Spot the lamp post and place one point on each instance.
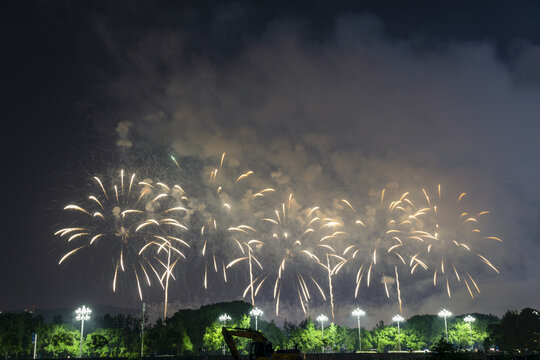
(83, 314)
(398, 319)
(322, 318)
(469, 320)
(224, 318)
(34, 340)
(142, 329)
(256, 312)
(445, 313)
(359, 313)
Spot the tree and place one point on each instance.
(16, 333)
(411, 340)
(122, 333)
(187, 346)
(333, 338)
(197, 321)
(305, 336)
(213, 337)
(427, 328)
(444, 350)
(368, 341)
(272, 332)
(97, 344)
(459, 335)
(386, 338)
(168, 339)
(288, 329)
(308, 338)
(10, 343)
(529, 323)
(517, 331)
(349, 338)
(64, 341)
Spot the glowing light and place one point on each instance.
(257, 313)
(445, 314)
(359, 313)
(83, 314)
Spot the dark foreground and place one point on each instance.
(358, 356)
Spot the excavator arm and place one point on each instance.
(228, 334)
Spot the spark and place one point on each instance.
(297, 234)
(69, 254)
(450, 221)
(381, 236)
(125, 226)
(224, 191)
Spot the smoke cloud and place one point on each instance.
(345, 117)
(123, 132)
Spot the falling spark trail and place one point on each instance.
(168, 270)
(398, 289)
(331, 290)
(131, 228)
(451, 221)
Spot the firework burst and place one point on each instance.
(294, 252)
(134, 223)
(453, 238)
(382, 240)
(219, 206)
(167, 212)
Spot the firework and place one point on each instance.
(300, 257)
(134, 222)
(382, 240)
(218, 208)
(452, 239)
(250, 248)
(166, 212)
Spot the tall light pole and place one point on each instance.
(398, 319)
(469, 320)
(34, 340)
(359, 313)
(224, 318)
(142, 329)
(322, 318)
(256, 312)
(83, 314)
(445, 313)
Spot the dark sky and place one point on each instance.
(326, 101)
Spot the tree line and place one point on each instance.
(199, 332)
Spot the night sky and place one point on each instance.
(328, 102)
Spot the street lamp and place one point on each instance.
(256, 312)
(398, 319)
(445, 313)
(359, 313)
(469, 320)
(322, 318)
(83, 314)
(224, 318)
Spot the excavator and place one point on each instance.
(260, 348)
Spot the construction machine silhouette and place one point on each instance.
(260, 348)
